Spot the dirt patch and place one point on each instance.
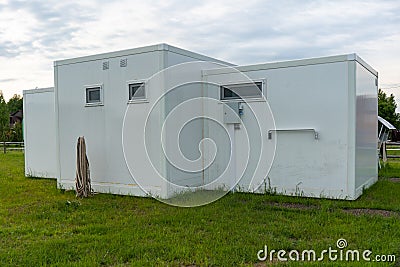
(359, 212)
(394, 180)
(299, 206)
(268, 263)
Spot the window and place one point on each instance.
(94, 95)
(241, 90)
(137, 91)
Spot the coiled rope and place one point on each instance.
(83, 185)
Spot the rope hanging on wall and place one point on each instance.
(82, 180)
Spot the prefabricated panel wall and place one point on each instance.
(102, 124)
(325, 113)
(40, 133)
(366, 109)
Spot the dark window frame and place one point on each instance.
(137, 85)
(228, 94)
(88, 96)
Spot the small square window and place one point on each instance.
(93, 95)
(137, 91)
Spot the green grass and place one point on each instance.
(390, 169)
(41, 225)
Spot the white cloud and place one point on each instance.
(35, 33)
(16, 26)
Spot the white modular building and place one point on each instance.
(304, 127)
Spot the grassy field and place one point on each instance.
(42, 225)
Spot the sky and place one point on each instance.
(35, 33)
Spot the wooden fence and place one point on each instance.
(11, 146)
(391, 147)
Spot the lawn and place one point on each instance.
(42, 225)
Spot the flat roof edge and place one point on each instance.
(120, 53)
(38, 90)
(365, 65)
(138, 50)
(195, 55)
(293, 63)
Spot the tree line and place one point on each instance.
(10, 132)
(387, 108)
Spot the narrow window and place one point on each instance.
(137, 91)
(241, 91)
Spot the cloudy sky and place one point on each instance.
(35, 33)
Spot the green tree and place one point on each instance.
(4, 120)
(15, 103)
(387, 108)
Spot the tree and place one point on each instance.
(4, 120)
(387, 108)
(19, 133)
(15, 103)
